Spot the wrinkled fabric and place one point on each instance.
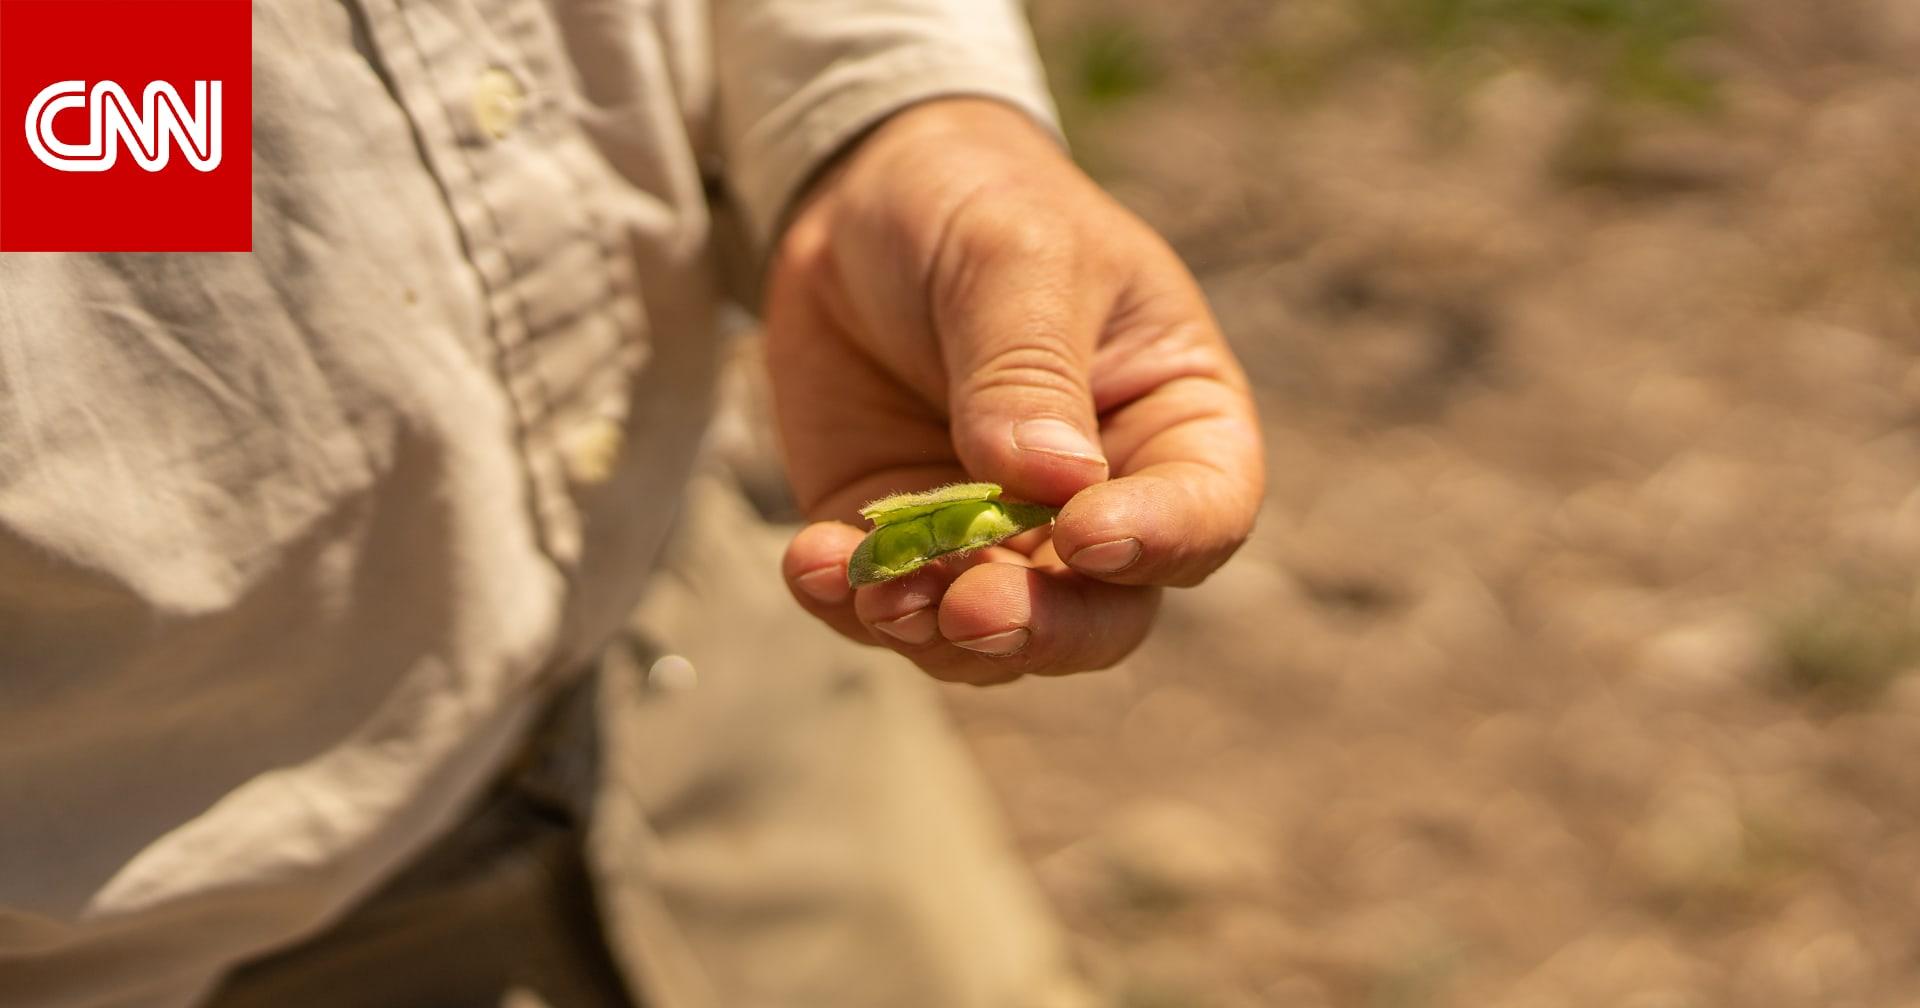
(293, 542)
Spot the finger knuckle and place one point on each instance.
(1014, 228)
(1032, 363)
(986, 236)
(1199, 560)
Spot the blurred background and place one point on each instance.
(1574, 660)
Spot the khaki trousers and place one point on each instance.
(788, 824)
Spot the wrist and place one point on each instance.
(941, 136)
(958, 119)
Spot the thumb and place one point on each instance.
(1018, 326)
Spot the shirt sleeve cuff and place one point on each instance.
(779, 154)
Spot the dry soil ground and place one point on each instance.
(1568, 664)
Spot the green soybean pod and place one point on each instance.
(912, 530)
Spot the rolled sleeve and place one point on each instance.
(798, 79)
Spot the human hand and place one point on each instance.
(955, 300)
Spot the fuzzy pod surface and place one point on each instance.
(911, 530)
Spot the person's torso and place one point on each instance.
(291, 541)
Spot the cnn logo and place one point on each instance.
(126, 126)
(148, 131)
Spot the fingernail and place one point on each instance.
(1107, 557)
(826, 586)
(998, 645)
(1056, 437)
(916, 627)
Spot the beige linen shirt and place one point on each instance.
(292, 542)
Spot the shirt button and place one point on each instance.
(593, 449)
(672, 674)
(497, 101)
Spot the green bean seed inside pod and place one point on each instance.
(896, 546)
(958, 525)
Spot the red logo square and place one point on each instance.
(126, 125)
